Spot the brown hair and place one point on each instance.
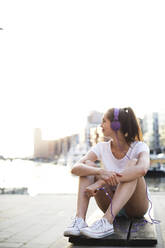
(129, 125)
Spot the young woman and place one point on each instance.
(125, 159)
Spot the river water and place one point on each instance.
(48, 178)
(156, 182)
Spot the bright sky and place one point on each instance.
(61, 59)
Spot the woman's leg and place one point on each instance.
(83, 199)
(130, 195)
(137, 205)
(103, 201)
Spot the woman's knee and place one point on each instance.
(87, 180)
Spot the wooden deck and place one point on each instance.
(128, 232)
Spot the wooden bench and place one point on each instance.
(128, 232)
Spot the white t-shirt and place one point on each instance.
(105, 155)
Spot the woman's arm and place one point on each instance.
(136, 168)
(86, 166)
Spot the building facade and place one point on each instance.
(153, 127)
(53, 149)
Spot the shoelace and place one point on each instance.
(74, 222)
(99, 224)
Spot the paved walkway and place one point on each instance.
(39, 221)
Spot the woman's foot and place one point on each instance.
(74, 228)
(100, 229)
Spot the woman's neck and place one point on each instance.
(119, 143)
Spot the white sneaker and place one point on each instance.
(100, 229)
(74, 228)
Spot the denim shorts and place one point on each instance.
(122, 213)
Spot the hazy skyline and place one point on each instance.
(61, 59)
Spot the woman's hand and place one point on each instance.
(110, 177)
(92, 189)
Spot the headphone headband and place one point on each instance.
(115, 124)
(116, 114)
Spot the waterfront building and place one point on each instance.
(93, 130)
(76, 145)
(162, 129)
(153, 127)
(53, 149)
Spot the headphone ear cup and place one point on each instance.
(115, 125)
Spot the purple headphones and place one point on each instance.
(115, 124)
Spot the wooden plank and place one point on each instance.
(128, 232)
(118, 238)
(142, 234)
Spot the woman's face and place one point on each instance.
(106, 126)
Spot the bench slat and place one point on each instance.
(142, 234)
(128, 232)
(118, 238)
